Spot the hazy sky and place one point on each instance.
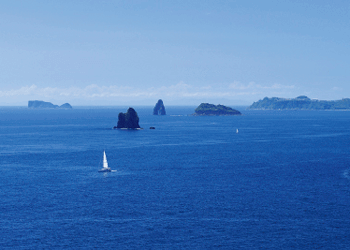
(111, 52)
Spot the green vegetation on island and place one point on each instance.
(300, 102)
(159, 109)
(129, 120)
(211, 109)
(46, 105)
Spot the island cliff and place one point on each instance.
(300, 102)
(129, 120)
(46, 105)
(159, 109)
(211, 109)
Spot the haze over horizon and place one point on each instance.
(136, 52)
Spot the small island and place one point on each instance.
(299, 103)
(159, 109)
(215, 110)
(66, 106)
(47, 105)
(128, 120)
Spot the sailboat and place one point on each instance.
(105, 164)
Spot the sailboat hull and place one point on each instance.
(105, 170)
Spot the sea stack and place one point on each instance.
(159, 109)
(128, 120)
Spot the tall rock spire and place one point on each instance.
(159, 109)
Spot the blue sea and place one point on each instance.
(281, 182)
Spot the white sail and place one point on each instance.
(105, 163)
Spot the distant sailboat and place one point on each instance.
(105, 164)
(236, 131)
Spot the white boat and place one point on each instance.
(236, 131)
(105, 164)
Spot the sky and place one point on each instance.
(116, 52)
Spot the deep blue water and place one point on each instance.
(282, 182)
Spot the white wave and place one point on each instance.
(346, 174)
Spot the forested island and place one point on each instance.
(211, 109)
(46, 105)
(128, 120)
(300, 102)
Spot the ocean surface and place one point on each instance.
(281, 182)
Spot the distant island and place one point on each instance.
(211, 109)
(300, 102)
(47, 105)
(128, 120)
(159, 109)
